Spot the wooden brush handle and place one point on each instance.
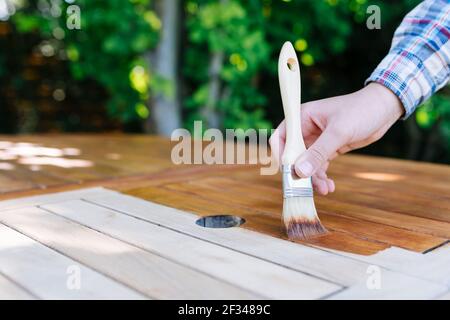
(289, 78)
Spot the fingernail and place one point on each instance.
(304, 168)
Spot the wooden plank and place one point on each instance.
(445, 296)
(374, 231)
(46, 273)
(402, 166)
(331, 266)
(258, 220)
(334, 204)
(120, 155)
(433, 266)
(398, 220)
(395, 189)
(350, 240)
(10, 290)
(343, 171)
(8, 184)
(38, 178)
(385, 189)
(54, 197)
(147, 273)
(433, 175)
(405, 288)
(261, 277)
(378, 232)
(263, 221)
(424, 208)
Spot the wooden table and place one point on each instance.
(387, 215)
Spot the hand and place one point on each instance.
(338, 125)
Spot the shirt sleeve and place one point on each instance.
(417, 64)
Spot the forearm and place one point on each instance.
(418, 62)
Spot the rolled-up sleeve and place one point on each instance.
(418, 63)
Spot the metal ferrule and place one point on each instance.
(293, 186)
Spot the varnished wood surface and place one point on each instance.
(378, 202)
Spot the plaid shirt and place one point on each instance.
(418, 63)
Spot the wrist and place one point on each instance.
(386, 100)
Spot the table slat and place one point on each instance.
(261, 277)
(47, 274)
(147, 273)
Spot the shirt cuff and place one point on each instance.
(405, 75)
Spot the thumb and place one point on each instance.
(319, 153)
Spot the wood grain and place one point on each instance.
(45, 273)
(374, 231)
(267, 205)
(433, 266)
(221, 263)
(149, 274)
(405, 288)
(376, 198)
(10, 290)
(319, 263)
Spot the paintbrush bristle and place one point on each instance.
(300, 218)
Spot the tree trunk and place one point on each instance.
(166, 111)
(210, 112)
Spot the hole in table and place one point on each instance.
(220, 221)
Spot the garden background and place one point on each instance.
(152, 66)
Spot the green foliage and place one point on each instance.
(230, 29)
(434, 114)
(108, 48)
(112, 50)
(250, 34)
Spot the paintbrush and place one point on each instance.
(299, 212)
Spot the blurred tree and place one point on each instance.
(228, 49)
(166, 108)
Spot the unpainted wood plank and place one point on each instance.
(10, 290)
(48, 274)
(54, 197)
(432, 266)
(442, 248)
(266, 279)
(327, 265)
(147, 273)
(445, 296)
(400, 286)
